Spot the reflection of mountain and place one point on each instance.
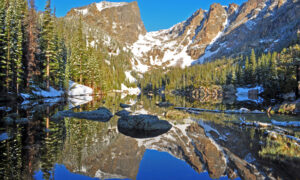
(105, 153)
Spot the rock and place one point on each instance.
(123, 113)
(164, 104)
(143, 123)
(124, 105)
(102, 114)
(122, 22)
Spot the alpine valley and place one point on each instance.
(93, 95)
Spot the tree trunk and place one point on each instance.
(298, 81)
(48, 73)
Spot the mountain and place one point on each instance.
(119, 20)
(264, 25)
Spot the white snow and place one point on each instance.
(140, 67)
(82, 11)
(242, 94)
(130, 78)
(78, 89)
(208, 53)
(173, 50)
(104, 5)
(47, 94)
(130, 91)
(286, 123)
(79, 100)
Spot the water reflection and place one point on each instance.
(142, 134)
(204, 146)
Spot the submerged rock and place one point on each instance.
(164, 104)
(143, 123)
(101, 114)
(123, 113)
(124, 105)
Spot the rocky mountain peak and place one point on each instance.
(121, 20)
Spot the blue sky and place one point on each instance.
(156, 14)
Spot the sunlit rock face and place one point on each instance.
(120, 20)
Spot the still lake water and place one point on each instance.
(203, 146)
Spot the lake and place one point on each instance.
(205, 145)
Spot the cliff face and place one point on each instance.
(119, 20)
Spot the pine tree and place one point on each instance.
(31, 45)
(253, 66)
(47, 44)
(2, 46)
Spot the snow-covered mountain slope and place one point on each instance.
(263, 25)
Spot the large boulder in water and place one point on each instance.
(143, 123)
(102, 114)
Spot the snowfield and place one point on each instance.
(104, 5)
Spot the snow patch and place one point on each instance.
(78, 89)
(131, 91)
(130, 78)
(47, 94)
(82, 11)
(104, 5)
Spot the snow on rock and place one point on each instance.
(47, 94)
(174, 52)
(104, 5)
(242, 94)
(78, 89)
(286, 123)
(82, 11)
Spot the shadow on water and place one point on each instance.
(204, 146)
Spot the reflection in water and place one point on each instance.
(161, 165)
(140, 133)
(199, 147)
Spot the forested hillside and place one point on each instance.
(276, 72)
(37, 49)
